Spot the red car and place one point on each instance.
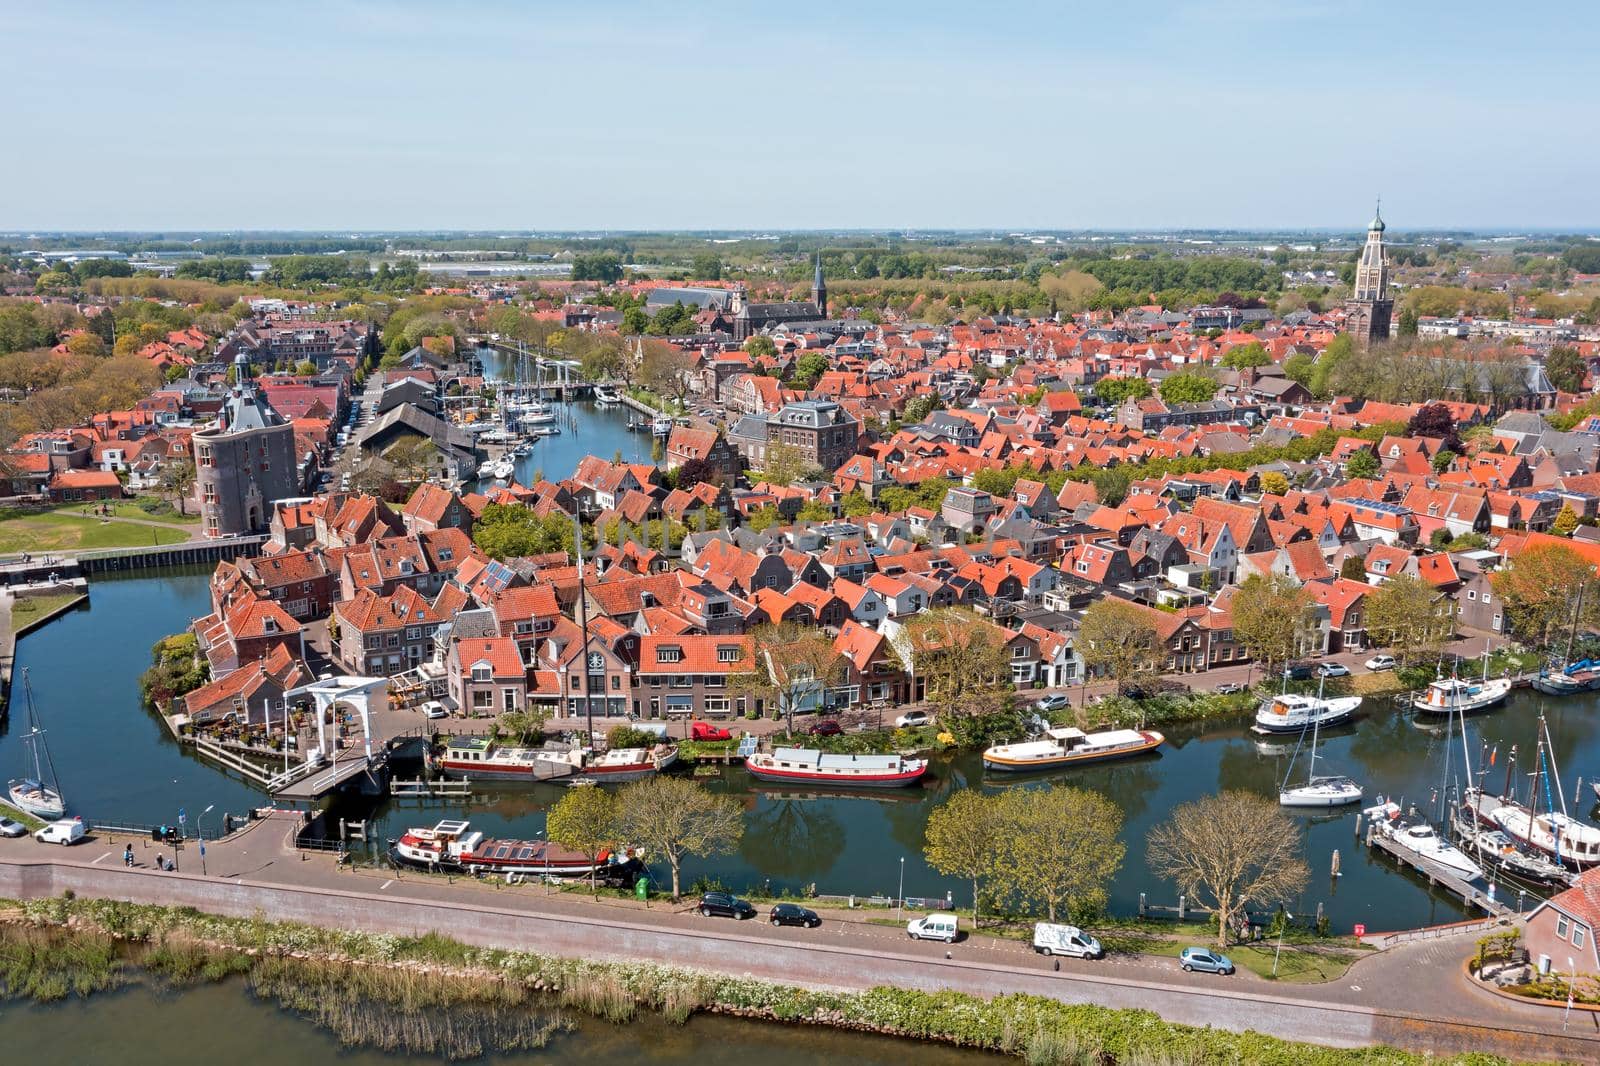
(825, 728)
(707, 731)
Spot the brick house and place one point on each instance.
(486, 676)
(687, 675)
(1560, 932)
(73, 486)
(685, 444)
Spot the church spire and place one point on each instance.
(819, 289)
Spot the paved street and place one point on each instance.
(1413, 994)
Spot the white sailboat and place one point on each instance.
(39, 795)
(1318, 792)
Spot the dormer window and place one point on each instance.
(482, 672)
(672, 654)
(727, 654)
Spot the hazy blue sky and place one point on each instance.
(391, 114)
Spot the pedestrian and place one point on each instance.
(127, 855)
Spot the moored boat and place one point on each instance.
(626, 764)
(1418, 837)
(1293, 713)
(1451, 695)
(1070, 746)
(810, 766)
(480, 758)
(606, 395)
(1495, 848)
(454, 845)
(1320, 792)
(39, 795)
(661, 425)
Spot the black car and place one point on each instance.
(725, 905)
(794, 914)
(1299, 671)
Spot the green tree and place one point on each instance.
(1115, 391)
(1407, 324)
(635, 321)
(1363, 463)
(1566, 369)
(1402, 615)
(1245, 356)
(1272, 617)
(1230, 850)
(672, 817)
(962, 658)
(585, 820)
(1188, 387)
(918, 408)
(1274, 483)
(1119, 640)
(791, 669)
(960, 840)
(783, 465)
(762, 518)
(306, 369)
(1354, 568)
(808, 369)
(599, 266)
(761, 347)
(177, 479)
(1058, 849)
(706, 266)
(1300, 367)
(1565, 522)
(1542, 587)
(1442, 460)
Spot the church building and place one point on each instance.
(1369, 309)
(750, 319)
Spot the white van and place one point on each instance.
(1068, 940)
(933, 927)
(62, 831)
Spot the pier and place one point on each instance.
(1470, 893)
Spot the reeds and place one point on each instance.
(48, 963)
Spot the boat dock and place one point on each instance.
(1469, 892)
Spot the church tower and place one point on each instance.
(1369, 309)
(819, 290)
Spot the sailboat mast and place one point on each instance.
(1316, 722)
(583, 623)
(1511, 761)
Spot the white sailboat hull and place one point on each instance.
(1321, 795)
(37, 800)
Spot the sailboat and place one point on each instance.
(1552, 832)
(1571, 676)
(1318, 791)
(39, 795)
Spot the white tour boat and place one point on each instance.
(606, 395)
(535, 413)
(1451, 695)
(1292, 713)
(1071, 747)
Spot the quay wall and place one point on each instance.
(201, 551)
(824, 965)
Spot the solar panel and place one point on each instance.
(747, 747)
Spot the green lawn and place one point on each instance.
(8, 811)
(63, 531)
(164, 511)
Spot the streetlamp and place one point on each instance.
(900, 896)
(200, 831)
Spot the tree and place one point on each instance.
(1230, 850)
(1407, 325)
(665, 370)
(960, 840)
(761, 347)
(1402, 616)
(1119, 639)
(1299, 367)
(1354, 568)
(306, 369)
(706, 266)
(1188, 387)
(507, 531)
(918, 408)
(600, 266)
(1443, 459)
(87, 344)
(1566, 369)
(1565, 522)
(1057, 848)
(177, 478)
(585, 820)
(1363, 463)
(1115, 391)
(1541, 588)
(672, 817)
(791, 668)
(1272, 617)
(962, 659)
(1435, 420)
(784, 464)
(1274, 483)
(808, 368)
(1245, 356)
(692, 472)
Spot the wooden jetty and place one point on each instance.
(1470, 893)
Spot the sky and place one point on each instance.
(394, 115)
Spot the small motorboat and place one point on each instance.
(1070, 746)
(536, 414)
(661, 425)
(809, 766)
(1292, 713)
(1450, 696)
(606, 395)
(1559, 683)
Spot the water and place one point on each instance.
(140, 1026)
(118, 763)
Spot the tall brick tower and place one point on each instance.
(1369, 309)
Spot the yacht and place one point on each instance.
(39, 795)
(1450, 695)
(1319, 792)
(1069, 746)
(1552, 834)
(661, 425)
(535, 413)
(486, 469)
(504, 470)
(1418, 837)
(1497, 849)
(606, 395)
(1291, 713)
(454, 845)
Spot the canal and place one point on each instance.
(118, 764)
(143, 1026)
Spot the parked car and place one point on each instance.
(1333, 670)
(725, 905)
(1205, 960)
(912, 720)
(794, 914)
(828, 727)
(434, 709)
(62, 831)
(1299, 671)
(707, 731)
(8, 828)
(1052, 939)
(1381, 662)
(1054, 702)
(1228, 688)
(934, 927)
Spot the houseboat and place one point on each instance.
(812, 767)
(1071, 747)
(454, 845)
(626, 764)
(1450, 696)
(1291, 713)
(483, 759)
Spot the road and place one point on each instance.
(1413, 995)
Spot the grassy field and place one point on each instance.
(28, 608)
(16, 815)
(66, 531)
(163, 511)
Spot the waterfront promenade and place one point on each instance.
(1413, 995)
